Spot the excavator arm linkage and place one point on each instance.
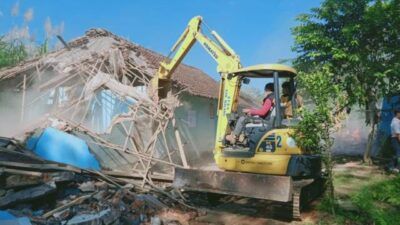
(219, 50)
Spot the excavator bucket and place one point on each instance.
(270, 187)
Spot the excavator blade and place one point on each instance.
(270, 187)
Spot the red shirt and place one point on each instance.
(264, 110)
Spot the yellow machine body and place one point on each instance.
(265, 161)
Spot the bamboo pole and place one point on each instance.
(180, 145)
(23, 100)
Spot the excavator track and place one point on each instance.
(305, 191)
(296, 205)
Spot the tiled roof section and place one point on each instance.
(194, 80)
(97, 41)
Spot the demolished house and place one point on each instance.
(88, 106)
(95, 85)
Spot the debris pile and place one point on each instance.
(92, 98)
(46, 192)
(97, 89)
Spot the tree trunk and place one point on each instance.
(367, 153)
(330, 189)
(372, 120)
(328, 161)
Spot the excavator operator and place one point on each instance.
(264, 112)
(286, 100)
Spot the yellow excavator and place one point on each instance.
(266, 163)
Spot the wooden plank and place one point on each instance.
(18, 180)
(71, 203)
(180, 145)
(44, 167)
(23, 100)
(21, 172)
(27, 194)
(122, 174)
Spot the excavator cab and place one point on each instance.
(255, 127)
(277, 74)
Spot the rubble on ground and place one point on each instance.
(46, 192)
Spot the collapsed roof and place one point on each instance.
(97, 41)
(97, 89)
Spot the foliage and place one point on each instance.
(11, 53)
(313, 132)
(380, 202)
(44, 48)
(357, 41)
(348, 54)
(18, 43)
(317, 84)
(376, 203)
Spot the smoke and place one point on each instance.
(9, 111)
(351, 139)
(22, 110)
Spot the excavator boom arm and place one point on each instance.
(220, 51)
(227, 61)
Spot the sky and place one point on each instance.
(258, 30)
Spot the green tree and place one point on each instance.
(313, 133)
(357, 41)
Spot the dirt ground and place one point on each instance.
(350, 176)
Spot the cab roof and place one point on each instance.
(266, 71)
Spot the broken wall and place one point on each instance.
(197, 122)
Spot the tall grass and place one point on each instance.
(376, 203)
(11, 53)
